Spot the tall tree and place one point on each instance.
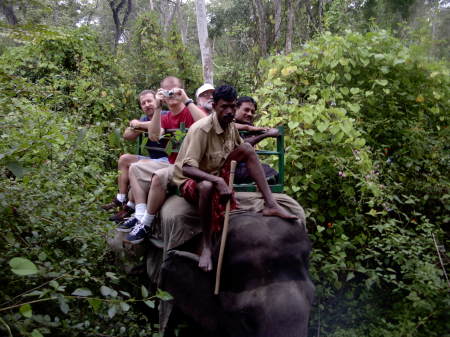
(205, 47)
(261, 16)
(277, 27)
(117, 7)
(8, 12)
(292, 6)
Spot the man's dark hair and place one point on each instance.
(244, 99)
(145, 92)
(226, 92)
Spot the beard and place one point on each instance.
(208, 106)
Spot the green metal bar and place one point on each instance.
(280, 149)
(267, 153)
(277, 188)
(138, 145)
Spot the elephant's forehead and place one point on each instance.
(261, 250)
(253, 230)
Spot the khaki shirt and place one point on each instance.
(206, 146)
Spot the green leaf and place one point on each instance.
(63, 305)
(354, 91)
(163, 295)
(36, 333)
(22, 266)
(382, 82)
(15, 168)
(372, 212)
(82, 292)
(150, 304)
(95, 303)
(330, 78)
(344, 90)
(320, 228)
(144, 292)
(112, 276)
(127, 294)
(112, 311)
(350, 276)
(107, 291)
(354, 107)
(322, 126)
(26, 311)
(124, 306)
(293, 125)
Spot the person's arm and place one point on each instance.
(154, 126)
(130, 132)
(250, 128)
(199, 175)
(195, 111)
(140, 125)
(253, 140)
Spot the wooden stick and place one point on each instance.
(224, 230)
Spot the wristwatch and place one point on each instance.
(188, 101)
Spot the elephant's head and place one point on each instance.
(265, 289)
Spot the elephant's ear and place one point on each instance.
(192, 289)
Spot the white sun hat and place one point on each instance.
(203, 88)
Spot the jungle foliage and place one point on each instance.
(63, 101)
(367, 156)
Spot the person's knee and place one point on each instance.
(132, 170)
(126, 160)
(156, 181)
(246, 149)
(205, 187)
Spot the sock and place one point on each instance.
(131, 204)
(147, 219)
(140, 211)
(121, 197)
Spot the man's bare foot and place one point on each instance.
(277, 210)
(205, 261)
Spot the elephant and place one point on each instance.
(265, 288)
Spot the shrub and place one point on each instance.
(367, 156)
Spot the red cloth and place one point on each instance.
(189, 191)
(172, 121)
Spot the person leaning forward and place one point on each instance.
(203, 164)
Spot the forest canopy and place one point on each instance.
(361, 87)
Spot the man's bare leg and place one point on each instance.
(156, 195)
(205, 189)
(139, 193)
(246, 153)
(124, 163)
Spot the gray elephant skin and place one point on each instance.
(265, 287)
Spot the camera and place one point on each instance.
(168, 93)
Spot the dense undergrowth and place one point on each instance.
(367, 156)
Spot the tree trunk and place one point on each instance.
(319, 15)
(8, 12)
(120, 24)
(172, 15)
(183, 23)
(205, 47)
(277, 28)
(152, 6)
(261, 16)
(292, 6)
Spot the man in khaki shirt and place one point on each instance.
(202, 167)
